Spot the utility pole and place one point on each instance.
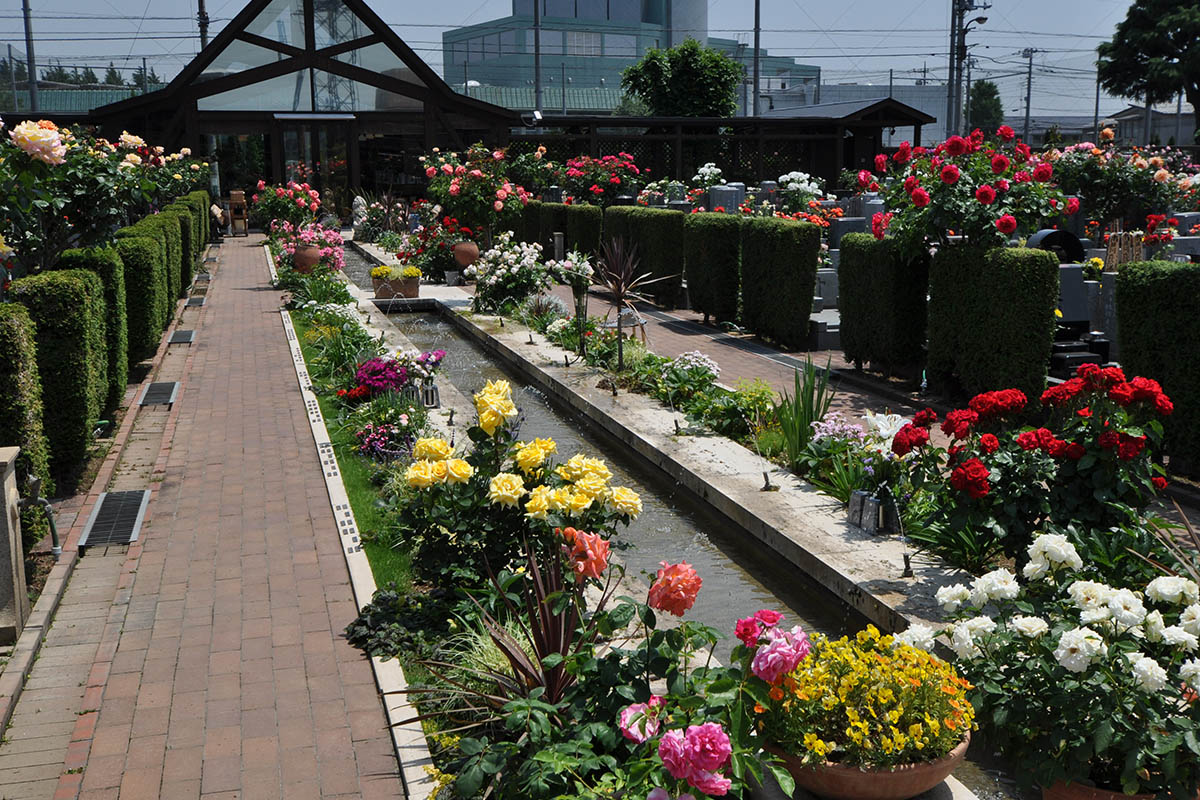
(537, 55)
(466, 80)
(202, 21)
(30, 61)
(12, 78)
(967, 104)
(563, 86)
(1096, 113)
(1178, 116)
(956, 15)
(145, 77)
(1149, 120)
(1028, 53)
(891, 81)
(757, 33)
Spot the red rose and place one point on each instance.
(1001, 185)
(903, 154)
(1021, 176)
(1108, 440)
(925, 418)
(1044, 437)
(879, 223)
(1075, 451)
(1121, 394)
(976, 139)
(1072, 205)
(1130, 447)
(1043, 172)
(1006, 224)
(864, 178)
(920, 197)
(957, 145)
(1000, 163)
(950, 174)
(908, 438)
(911, 183)
(985, 194)
(1159, 482)
(1163, 405)
(989, 443)
(1023, 151)
(881, 163)
(1028, 440)
(997, 403)
(1006, 133)
(958, 423)
(971, 477)
(1057, 448)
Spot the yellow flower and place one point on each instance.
(529, 457)
(560, 499)
(539, 502)
(580, 503)
(625, 501)
(458, 471)
(177, 176)
(590, 485)
(597, 469)
(439, 471)
(419, 474)
(506, 489)
(432, 448)
(547, 446)
(574, 469)
(494, 407)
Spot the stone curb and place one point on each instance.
(29, 644)
(408, 737)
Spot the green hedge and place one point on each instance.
(152, 233)
(658, 235)
(617, 222)
(146, 293)
(1158, 303)
(106, 262)
(882, 303)
(584, 225)
(67, 309)
(991, 319)
(779, 274)
(199, 201)
(187, 243)
(21, 409)
(552, 218)
(165, 228)
(529, 225)
(712, 251)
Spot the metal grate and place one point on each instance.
(183, 337)
(195, 302)
(116, 519)
(160, 393)
(203, 276)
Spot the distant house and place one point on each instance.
(1166, 127)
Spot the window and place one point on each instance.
(552, 43)
(458, 53)
(559, 8)
(475, 51)
(625, 10)
(491, 46)
(619, 44)
(289, 92)
(510, 42)
(583, 43)
(591, 9)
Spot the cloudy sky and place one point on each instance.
(852, 40)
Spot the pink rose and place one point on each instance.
(780, 655)
(476, 173)
(447, 169)
(279, 191)
(767, 617)
(254, 198)
(498, 205)
(300, 202)
(498, 155)
(748, 630)
(454, 190)
(430, 172)
(261, 185)
(673, 752)
(707, 746)
(460, 170)
(710, 783)
(675, 588)
(501, 194)
(640, 721)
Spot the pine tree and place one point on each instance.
(113, 76)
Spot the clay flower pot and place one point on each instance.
(842, 782)
(397, 287)
(306, 257)
(1081, 791)
(466, 253)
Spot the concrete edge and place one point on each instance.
(41, 617)
(408, 738)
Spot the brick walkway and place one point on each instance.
(221, 671)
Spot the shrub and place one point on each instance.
(779, 273)
(199, 201)
(617, 222)
(145, 293)
(882, 300)
(21, 407)
(584, 224)
(991, 318)
(187, 244)
(106, 262)
(1158, 304)
(67, 309)
(168, 228)
(712, 250)
(658, 236)
(552, 218)
(531, 222)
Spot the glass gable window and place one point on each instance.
(380, 58)
(335, 93)
(335, 23)
(237, 57)
(289, 92)
(282, 21)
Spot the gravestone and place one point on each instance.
(725, 197)
(873, 207)
(656, 201)
(675, 191)
(552, 194)
(1187, 220)
(843, 225)
(1108, 303)
(1094, 305)
(768, 190)
(14, 599)
(680, 205)
(1075, 223)
(740, 188)
(835, 258)
(827, 286)
(1186, 245)
(624, 200)
(1072, 295)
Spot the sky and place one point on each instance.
(853, 41)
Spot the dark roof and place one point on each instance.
(851, 110)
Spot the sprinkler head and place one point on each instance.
(451, 420)
(908, 571)
(531, 337)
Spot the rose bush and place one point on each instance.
(473, 187)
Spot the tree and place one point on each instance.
(87, 77)
(984, 109)
(689, 80)
(1154, 53)
(57, 73)
(113, 76)
(631, 107)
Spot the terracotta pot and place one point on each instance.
(466, 253)
(1081, 791)
(306, 257)
(856, 783)
(397, 287)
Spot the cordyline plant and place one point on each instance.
(617, 272)
(971, 186)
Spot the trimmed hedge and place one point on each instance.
(67, 309)
(530, 222)
(153, 233)
(106, 262)
(146, 293)
(199, 201)
(187, 243)
(167, 229)
(991, 319)
(712, 251)
(21, 410)
(779, 274)
(882, 303)
(658, 235)
(584, 225)
(552, 218)
(617, 222)
(1158, 303)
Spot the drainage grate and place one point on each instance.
(183, 337)
(160, 393)
(203, 276)
(195, 302)
(116, 519)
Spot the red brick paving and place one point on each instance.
(222, 671)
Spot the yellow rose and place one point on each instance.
(547, 446)
(439, 470)
(458, 471)
(419, 474)
(596, 467)
(432, 448)
(539, 502)
(560, 499)
(625, 501)
(530, 457)
(498, 388)
(506, 489)
(494, 408)
(574, 469)
(590, 485)
(177, 176)
(580, 503)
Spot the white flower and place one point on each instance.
(1149, 676)
(1190, 672)
(999, 584)
(1154, 626)
(1056, 550)
(916, 635)
(1127, 608)
(951, 597)
(1031, 627)
(1077, 649)
(557, 326)
(1036, 569)
(1189, 619)
(1091, 616)
(963, 643)
(1089, 594)
(885, 426)
(1173, 589)
(1177, 635)
(978, 625)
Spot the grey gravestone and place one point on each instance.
(1186, 245)
(827, 286)
(1096, 252)
(1072, 297)
(740, 188)
(553, 194)
(873, 207)
(656, 200)
(680, 205)
(675, 191)
(725, 197)
(624, 200)
(1186, 220)
(768, 189)
(14, 599)
(835, 258)
(1108, 304)
(1075, 222)
(844, 225)
(1095, 308)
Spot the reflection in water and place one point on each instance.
(740, 574)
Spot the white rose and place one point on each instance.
(1091, 616)
(1127, 608)
(1036, 569)
(1189, 671)
(916, 635)
(999, 584)
(1176, 635)
(1173, 589)
(1089, 594)
(1077, 649)
(951, 597)
(1189, 619)
(1154, 626)
(1147, 674)
(963, 643)
(1030, 627)
(1056, 549)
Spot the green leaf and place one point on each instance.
(470, 747)
(784, 778)
(1104, 736)
(552, 660)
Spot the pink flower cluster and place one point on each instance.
(640, 721)
(696, 755)
(780, 652)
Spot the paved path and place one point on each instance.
(208, 660)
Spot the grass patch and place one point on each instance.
(388, 565)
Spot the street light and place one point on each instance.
(961, 55)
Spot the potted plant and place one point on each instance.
(1090, 689)
(391, 281)
(866, 718)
